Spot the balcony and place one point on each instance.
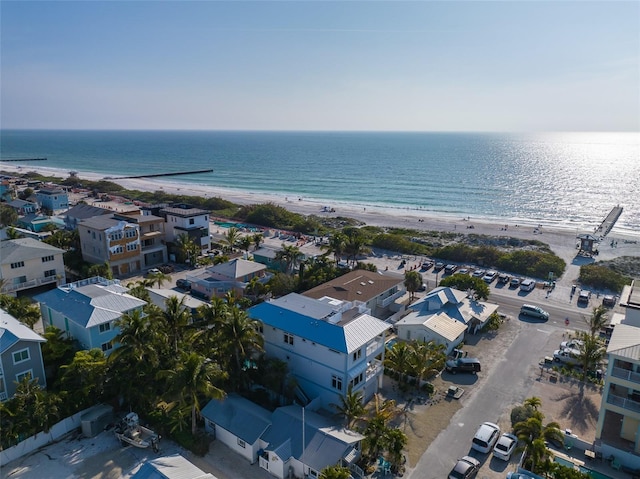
(374, 369)
(384, 302)
(623, 402)
(10, 288)
(626, 374)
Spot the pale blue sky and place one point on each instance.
(307, 65)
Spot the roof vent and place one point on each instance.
(363, 283)
(358, 292)
(370, 282)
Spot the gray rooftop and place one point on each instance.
(25, 249)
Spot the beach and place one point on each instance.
(560, 238)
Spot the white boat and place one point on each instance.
(129, 431)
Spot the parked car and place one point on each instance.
(184, 284)
(463, 271)
(568, 356)
(490, 276)
(153, 271)
(450, 268)
(514, 283)
(572, 344)
(584, 296)
(466, 468)
(478, 273)
(438, 266)
(505, 446)
(426, 265)
(486, 437)
(166, 268)
(534, 311)
(527, 285)
(518, 475)
(504, 278)
(463, 365)
(609, 300)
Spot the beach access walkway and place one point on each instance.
(609, 222)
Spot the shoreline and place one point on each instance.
(561, 238)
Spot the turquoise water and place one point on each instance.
(571, 179)
(592, 473)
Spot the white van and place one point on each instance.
(527, 285)
(534, 312)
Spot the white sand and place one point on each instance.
(560, 238)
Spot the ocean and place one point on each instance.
(564, 179)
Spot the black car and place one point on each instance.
(463, 365)
(466, 468)
(184, 284)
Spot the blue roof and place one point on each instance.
(322, 332)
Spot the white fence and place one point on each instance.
(42, 438)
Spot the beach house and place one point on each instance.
(444, 315)
(231, 277)
(53, 199)
(88, 310)
(79, 212)
(27, 264)
(328, 345)
(20, 355)
(377, 291)
(23, 207)
(618, 427)
(290, 442)
(184, 219)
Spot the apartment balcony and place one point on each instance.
(375, 348)
(374, 369)
(623, 402)
(12, 288)
(384, 302)
(626, 374)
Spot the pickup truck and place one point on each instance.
(568, 356)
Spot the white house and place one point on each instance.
(26, 263)
(183, 219)
(290, 442)
(87, 310)
(232, 276)
(328, 345)
(444, 316)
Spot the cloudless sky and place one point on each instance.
(312, 65)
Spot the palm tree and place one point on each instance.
(194, 376)
(12, 233)
(158, 278)
(21, 308)
(139, 289)
(413, 282)
(598, 320)
(290, 256)
(335, 472)
(245, 243)
(335, 246)
(590, 352)
(533, 402)
(533, 434)
(176, 317)
(395, 442)
(231, 238)
(257, 238)
(187, 249)
(350, 407)
(355, 244)
(426, 359)
(239, 340)
(84, 378)
(399, 359)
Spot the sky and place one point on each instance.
(314, 65)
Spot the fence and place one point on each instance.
(42, 438)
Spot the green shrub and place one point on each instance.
(602, 277)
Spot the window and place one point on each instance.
(288, 338)
(107, 347)
(192, 221)
(130, 233)
(50, 273)
(19, 264)
(21, 376)
(118, 249)
(241, 443)
(47, 258)
(336, 382)
(105, 327)
(115, 236)
(132, 247)
(21, 356)
(357, 355)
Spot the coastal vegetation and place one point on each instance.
(610, 275)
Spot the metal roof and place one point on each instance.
(13, 331)
(25, 249)
(92, 304)
(237, 268)
(311, 319)
(171, 467)
(84, 211)
(625, 342)
(239, 416)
